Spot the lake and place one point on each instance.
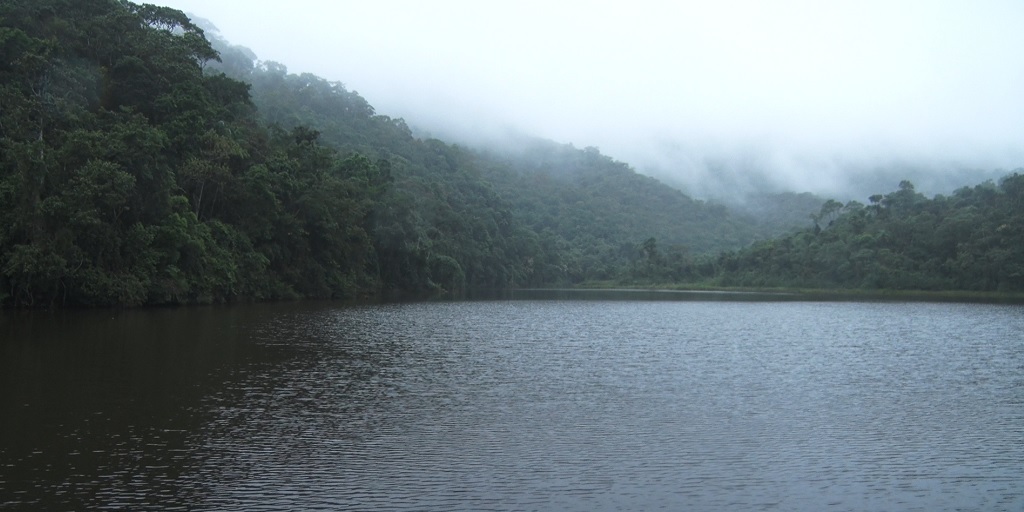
(537, 401)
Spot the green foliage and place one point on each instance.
(134, 171)
(972, 240)
(602, 208)
(777, 214)
(129, 176)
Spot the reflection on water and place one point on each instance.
(516, 405)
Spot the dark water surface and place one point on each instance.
(699, 404)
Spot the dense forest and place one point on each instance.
(971, 240)
(145, 161)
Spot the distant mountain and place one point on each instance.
(590, 212)
(581, 193)
(776, 214)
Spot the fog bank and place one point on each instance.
(721, 96)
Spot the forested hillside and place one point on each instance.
(777, 213)
(129, 176)
(970, 240)
(135, 172)
(142, 164)
(578, 214)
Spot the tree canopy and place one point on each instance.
(970, 240)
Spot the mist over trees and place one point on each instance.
(143, 164)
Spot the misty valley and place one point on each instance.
(228, 286)
(145, 163)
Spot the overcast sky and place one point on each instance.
(798, 88)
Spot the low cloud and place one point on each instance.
(714, 96)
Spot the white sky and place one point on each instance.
(801, 83)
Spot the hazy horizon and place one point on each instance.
(797, 95)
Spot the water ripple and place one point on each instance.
(560, 405)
